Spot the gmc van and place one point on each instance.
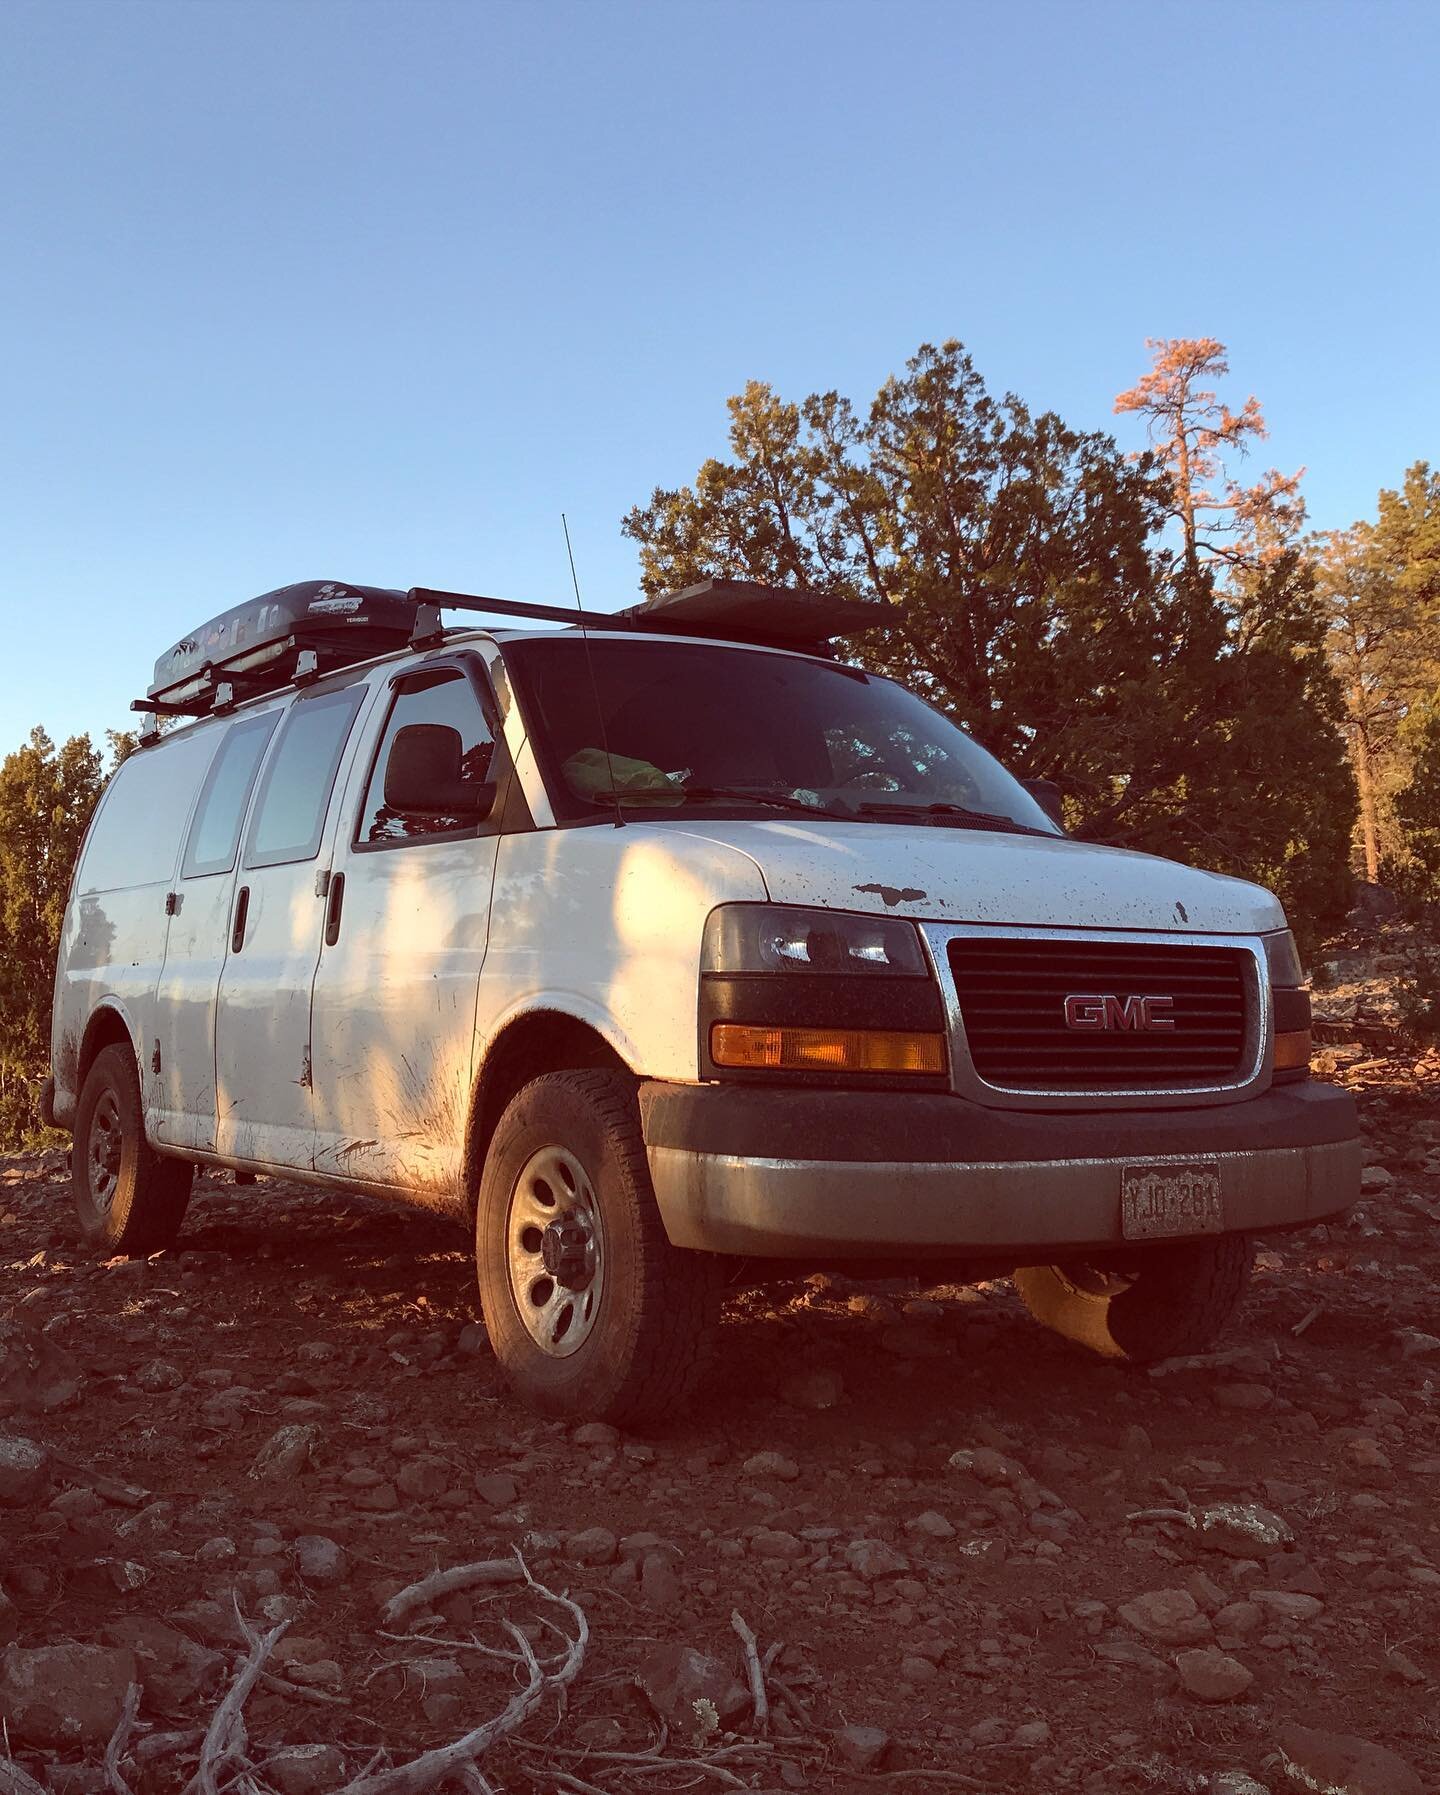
(654, 941)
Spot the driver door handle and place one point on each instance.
(242, 912)
(333, 906)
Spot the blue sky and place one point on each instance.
(373, 291)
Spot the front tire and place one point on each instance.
(591, 1312)
(129, 1199)
(1175, 1300)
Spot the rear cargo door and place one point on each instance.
(182, 1110)
(262, 1021)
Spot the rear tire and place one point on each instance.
(592, 1314)
(129, 1199)
(1176, 1301)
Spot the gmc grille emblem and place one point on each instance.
(1135, 1015)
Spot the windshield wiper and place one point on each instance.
(658, 796)
(958, 814)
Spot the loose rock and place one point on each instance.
(62, 1696)
(1212, 1676)
(1342, 1764)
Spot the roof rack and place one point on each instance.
(298, 633)
(724, 610)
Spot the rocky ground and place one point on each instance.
(971, 1557)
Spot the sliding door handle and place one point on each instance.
(242, 912)
(333, 907)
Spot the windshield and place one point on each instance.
(698, 726)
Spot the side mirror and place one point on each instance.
(1048, 796)
(423, 775)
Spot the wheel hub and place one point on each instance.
(567, 1250)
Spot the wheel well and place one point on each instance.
(106, 1028)
(543, 1041)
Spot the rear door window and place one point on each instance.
(295, 790)
(135, 839)
(215, 833)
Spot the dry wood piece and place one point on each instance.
(753, 1671)
(459, 1759)
(445, 1583)
(15, 1781)
(225, 1736)
(115, 1750)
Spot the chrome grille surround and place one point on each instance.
(1255, 1062)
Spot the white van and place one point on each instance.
(648, 944)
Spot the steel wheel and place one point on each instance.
(104, 1150)
(555, 1250)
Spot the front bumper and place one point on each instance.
(793, 1174)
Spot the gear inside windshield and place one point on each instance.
(655, 728)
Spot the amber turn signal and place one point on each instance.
(1292, 1051)
(750, 1048)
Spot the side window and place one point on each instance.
(443, 697)
(215, 833)
(135, 838)
(295, 790)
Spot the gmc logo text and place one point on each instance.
(1135, 1015)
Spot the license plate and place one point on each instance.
(1160, 1200)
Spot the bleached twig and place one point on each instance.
(115, 1749)
(459, 1758)
(753, 1672)
(445, 1583)
(225, 1735)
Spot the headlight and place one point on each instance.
(818, 997)
(772, 938)
(1283, 959)
(1291, 1007)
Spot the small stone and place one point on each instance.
(62, 1696)
(817, 1391)
(24, 1471)
(175, 1671)
(1244, 1529)
(288, 1451)
(1250, 1398)
(1236, 1782)
(159, 1375)
(1032, 1735)
(768, 1544)
(497, 1488)
(594, 1545)
(985, 1465)
(305, 1769)
(473, 1339)
(320, 1561)
(1237, 1617)
(1344, 1765)
(1406, 1669)
(861, 1747)
(1169, 1616)
(423, 1478)
(681, 1683)
(1212, 1676)
(930, 1525)
(1376, 1178)
(596, 1433)
(915, 1669)
(873, 1559)
(1288, 1604)
(660, 1588)
(771, 1464)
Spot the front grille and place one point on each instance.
(1012, 994)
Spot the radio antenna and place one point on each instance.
(594, 683)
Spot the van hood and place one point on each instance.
(969, 875)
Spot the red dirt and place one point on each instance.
(352, 1316)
